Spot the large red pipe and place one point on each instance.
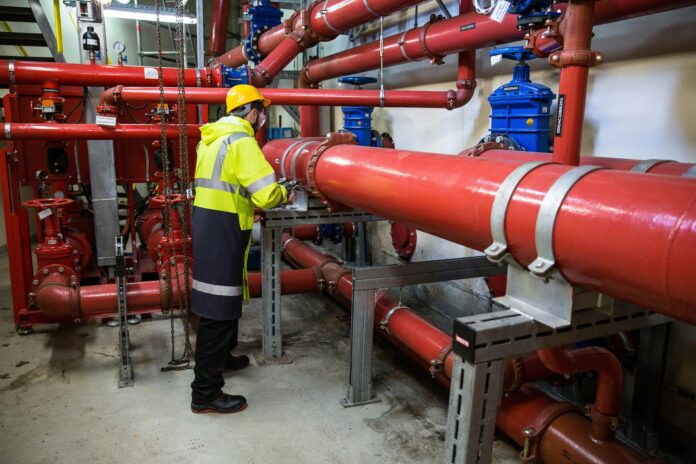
(97, 75)
(464, 32)
(54, 131)
(325, 18)
(307, 97)
(669, 168)
(637, 243)
(220, 13)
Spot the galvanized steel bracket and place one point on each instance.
(647, 165)
(545, 262)
(498, 250)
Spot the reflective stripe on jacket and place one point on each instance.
(232, 178)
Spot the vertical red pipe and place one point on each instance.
(218, 26)
(572, 90)
(309, 121)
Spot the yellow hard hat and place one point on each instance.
(242, 94)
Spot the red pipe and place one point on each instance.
(218, 26)
(575, 61)
(52, 131)
(637, 243)
(561, 433)
(305, 97)
(309, 121)
(425, 343)
(669, 168)
(286, 51)
(98, 75)
(306, 232)
(607, 407)
(468, 31)
(58, 299)
(325, 19)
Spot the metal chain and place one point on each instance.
(185, 177)
(183, 363)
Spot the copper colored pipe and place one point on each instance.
(607, 406)
(561, 433)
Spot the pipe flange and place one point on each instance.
(437, 365)
(11, 71)
(586, 58)
(479, 149)
(404, 239)
(518, 374)
(434, 59)
(332, 139)
(68, 278)
(384, 323)
(604, 427)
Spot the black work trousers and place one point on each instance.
(214, 341)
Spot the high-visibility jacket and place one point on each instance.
(232, 178)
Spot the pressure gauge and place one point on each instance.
(119, 47)
(484, 6)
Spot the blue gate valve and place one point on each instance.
(358, 119)
(264, 16)
(521, 109)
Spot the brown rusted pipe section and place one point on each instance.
(558, 432)
(607, 407)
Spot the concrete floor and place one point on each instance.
(60, 401)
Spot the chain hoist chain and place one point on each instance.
(184, 166)
(174, 364)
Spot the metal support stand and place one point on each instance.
(476, 390)
(483, 341)
(271, 247)
(367, 280)
(125, 375)
(272, 226)
(652, 357)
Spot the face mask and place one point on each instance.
(261, 120)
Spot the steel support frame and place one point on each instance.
(482, 342)
(272, 225)
(365, 283)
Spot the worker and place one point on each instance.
(232, 178)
